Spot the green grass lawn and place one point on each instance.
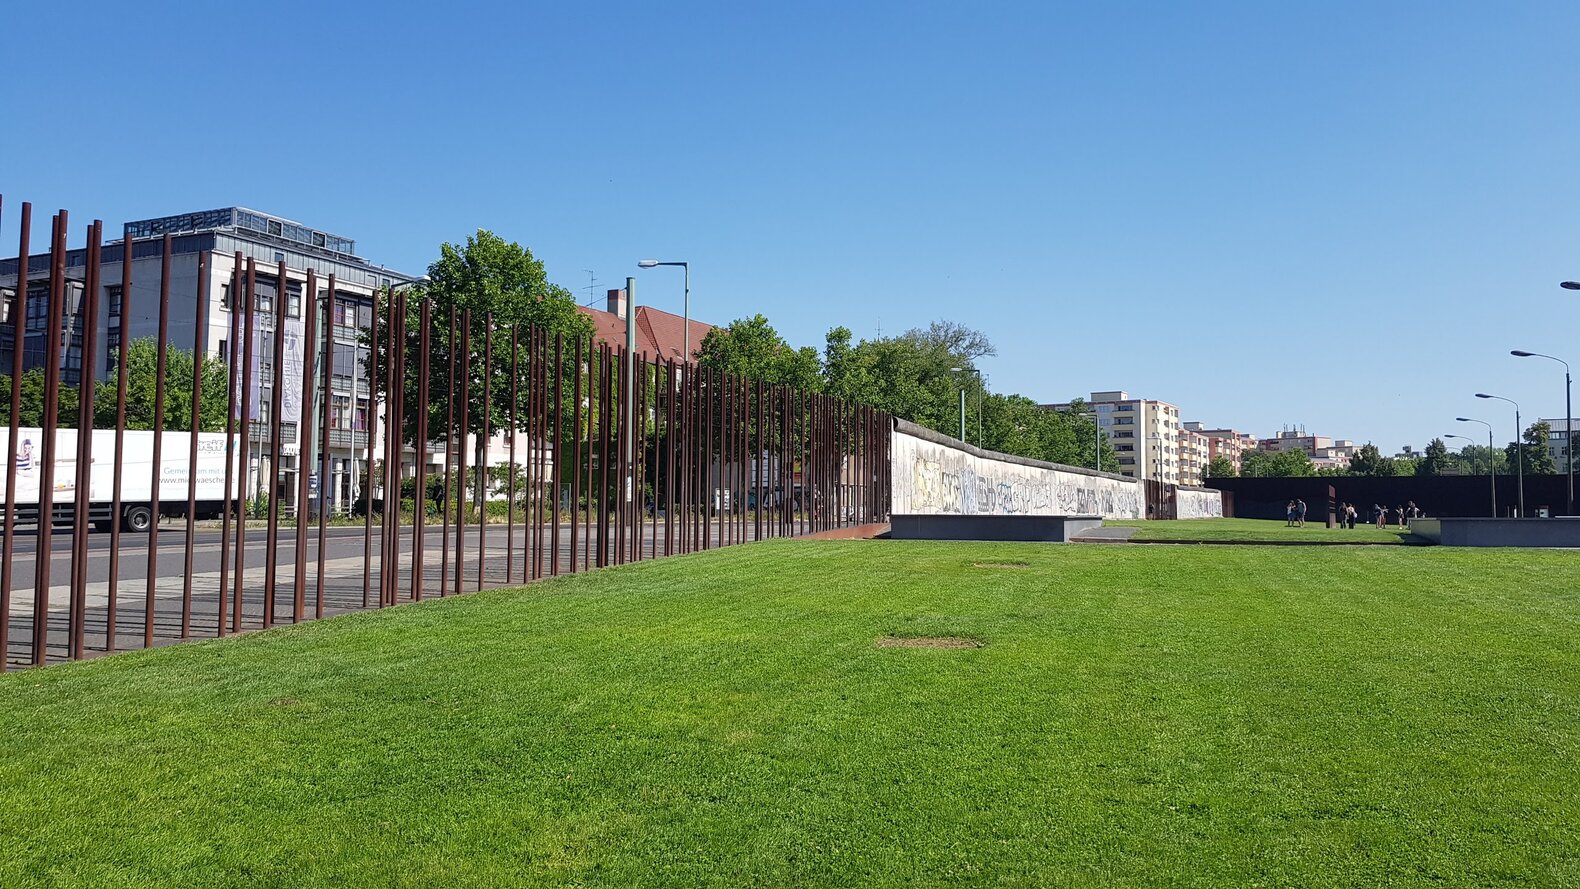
(1257, 529)
(1206, 716)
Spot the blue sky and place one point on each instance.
(1341, 215)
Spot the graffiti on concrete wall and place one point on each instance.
(934, 479)
(1191, 504)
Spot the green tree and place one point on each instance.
(950, 337)
(1474, 458)
(142, 374)
(1015, 424)
(750, 348)
(1276, 464)
(141, 377)
(1370, 461)
(1219, 467)
(1538, 460)
(917, 376)
(31, 402)
(500, 283)
(1435, 459)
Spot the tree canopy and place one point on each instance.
(1276, 464)
(499, 282)
(1538, 459)
(1220, 467)
(141, 376)
(751, 348)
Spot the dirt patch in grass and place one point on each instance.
(1020, 566)
(947, 643)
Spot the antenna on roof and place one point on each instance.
(592, 287)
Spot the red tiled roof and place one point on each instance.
(660, 334)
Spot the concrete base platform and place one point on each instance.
(1037, 528)
(1562, 532)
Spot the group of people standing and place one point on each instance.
(1348, 514)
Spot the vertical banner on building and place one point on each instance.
(289, 368)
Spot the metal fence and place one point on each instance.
(625, 458)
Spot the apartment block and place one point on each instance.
(1229, 444)
(1144, 434)
(1323, 450)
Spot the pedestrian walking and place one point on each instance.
(1300, 512)
(1289, 515)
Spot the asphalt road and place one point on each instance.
(176, 606)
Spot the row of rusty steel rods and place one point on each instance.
(244, 429)
(199, 331)
(88, 318)
(367, 486)
(485, 413)
(420, 504)
(46, 474)
(7, 535)
(231, 453)
(448, 497)
(394, 424)
(510, 479)
(576, 455)
(276, 380)
(323, 445)
(698, 439)
(304, 437)
(465, 371)
(54, 332)
(150, 589)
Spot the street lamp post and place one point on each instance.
(1569, 463)
(1492, 478)
(963, 403)
(1519, 454)
(685, 308)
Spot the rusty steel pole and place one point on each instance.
(18, 338)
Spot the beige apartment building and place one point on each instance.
(1144, 434)
(1194, 450)
(1325, 452)
(1229, 444)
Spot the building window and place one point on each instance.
(340, 412)
(223, 353)
(362, 415)
(112, 295)
(37, 309)
(293, 300)
(112, 346)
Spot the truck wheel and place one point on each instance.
(138, 519)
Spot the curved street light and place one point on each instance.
(1569, 463)
(686, 308)
(1492, 477)
(963, 403)
(1519, 453)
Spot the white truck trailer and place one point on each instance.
(137, 478)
